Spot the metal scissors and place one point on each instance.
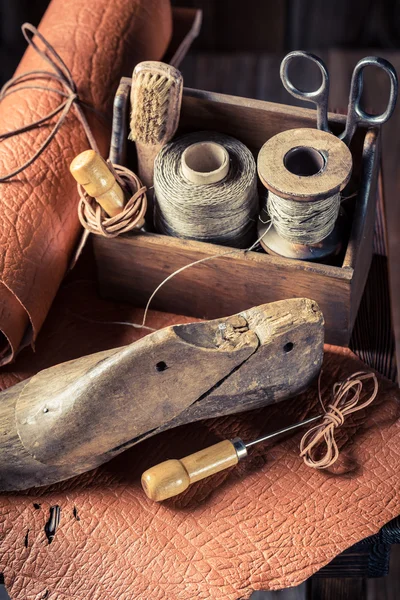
(355, 114)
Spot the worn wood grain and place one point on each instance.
(150, 129)
(91, 171)
(172, 477)
(334, 175)
(336, 588)
(132, 268)
(251, 121)
(72, 417)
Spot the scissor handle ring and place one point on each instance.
(358, 78)
(355, 114)
(319, 96)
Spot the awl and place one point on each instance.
(172, 477)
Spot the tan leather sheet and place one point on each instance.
(99, 41)
(269, 523)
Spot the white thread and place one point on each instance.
(197, 262)
(224, 212)
(303, 222)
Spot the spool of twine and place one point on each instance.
(304, 171)
(303, 222)
(205, 187)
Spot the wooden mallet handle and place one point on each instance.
(91, 171)
(172, 477)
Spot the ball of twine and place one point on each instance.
(224, 212)
(95, 219)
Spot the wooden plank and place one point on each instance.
(362, 231)
(186, 25)
(359, 250)
(319, 588)
(209, 32)
(251, 121)
(132, 267)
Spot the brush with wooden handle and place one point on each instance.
(156, 97)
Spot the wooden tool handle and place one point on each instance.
(146, 156)
(91, 171)
(172, 477)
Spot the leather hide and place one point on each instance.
(269, 523)
(99, 41)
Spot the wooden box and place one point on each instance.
(132, 266)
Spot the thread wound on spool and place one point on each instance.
(221, 212)
(303, 222)
(304, 171)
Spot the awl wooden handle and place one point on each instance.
(172, 477)
(92, 172)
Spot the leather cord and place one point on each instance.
(94, 219)
(346, 398)
(91, 216)
(61, 75)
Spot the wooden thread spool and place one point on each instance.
(205, 188)
(205, 162)
(303, 165)
(91, 171)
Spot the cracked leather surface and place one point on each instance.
(269, 523)
(100, 42)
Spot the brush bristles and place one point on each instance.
(154, 106)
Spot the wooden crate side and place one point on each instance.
(366, 197)
(251, 121)
(147, 259)
(130, 269)
(360, 247)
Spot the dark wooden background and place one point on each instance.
(250, 26)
